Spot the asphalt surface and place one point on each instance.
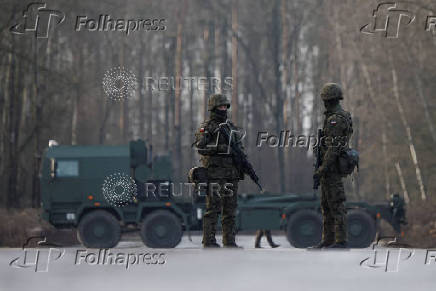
(132, 266)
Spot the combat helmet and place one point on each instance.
(217, 100)
(331, 91)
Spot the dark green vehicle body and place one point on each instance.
(71, 187)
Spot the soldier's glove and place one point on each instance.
(223, 149)
(316, 178)
(320, 172)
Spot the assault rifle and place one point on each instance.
(238, 156)
(318, 160)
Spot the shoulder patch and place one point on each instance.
(345, 117)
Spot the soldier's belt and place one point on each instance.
(214, 173)
(198, 175)
(220, 161)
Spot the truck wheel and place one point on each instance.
(304, 228)
(361, 229)
(161, 229)
(99, 229)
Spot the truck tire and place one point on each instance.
(304, 228)
(161, 229)
(99, 229)
(361, 229)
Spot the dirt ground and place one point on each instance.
(421, 229)
(19, 226)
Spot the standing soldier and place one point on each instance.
(337, 131)
(222, 174)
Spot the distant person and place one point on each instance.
(267, 233)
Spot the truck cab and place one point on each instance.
(79, 185)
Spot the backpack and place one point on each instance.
(348, 158)
(348, 161)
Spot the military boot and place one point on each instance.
(339, 245)
(323, 244)
(211, 245)
(269, 239)
(232, 245)
(259, 235)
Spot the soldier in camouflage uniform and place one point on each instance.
(222, 174)
(337, 131)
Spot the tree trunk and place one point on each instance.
(402, 183)
(141, 89)
(177, 95)
(37, 114)
(278, 90)
(385, 160)
(234, 61)
(11, 170)
(409, 134)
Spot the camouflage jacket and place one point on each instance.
(215, 151)
(337, 130)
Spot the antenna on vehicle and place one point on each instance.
(150, 156)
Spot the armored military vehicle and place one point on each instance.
(102, 190)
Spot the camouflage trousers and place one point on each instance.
(222, 202)
(333, 209)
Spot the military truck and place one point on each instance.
(74, 187)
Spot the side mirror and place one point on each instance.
(53, 169)
(138, 153)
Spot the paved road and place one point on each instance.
(188, 267)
